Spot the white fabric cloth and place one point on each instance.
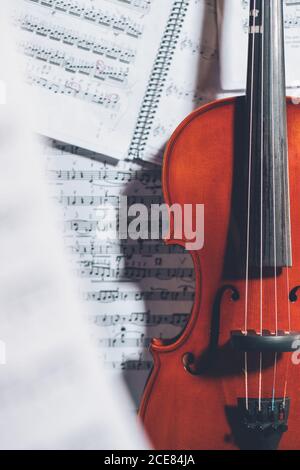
(54, 393)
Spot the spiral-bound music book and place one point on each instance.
(97, 67)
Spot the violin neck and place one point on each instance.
(270, 233)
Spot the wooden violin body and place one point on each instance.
(191, 398)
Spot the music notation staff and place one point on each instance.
(98, 70)
(108, 175)
(90, 269)
(91, 13)
(85, 42)
(133, 365)
(72, 88)
(183, 93)
(143, 318)
(140, 5)
(109, 296)
(133, 289)
(124, 342)
(128, 250)
(107, 200)
(97, 16)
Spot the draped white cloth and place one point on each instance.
(54, 393)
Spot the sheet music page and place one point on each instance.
(55, 394)
(88, 62)
(133, 290)
(191, 80)
(233, 24)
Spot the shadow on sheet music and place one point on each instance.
(80, 152)
(163, 276)
(168, 290)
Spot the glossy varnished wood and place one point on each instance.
(181, 411)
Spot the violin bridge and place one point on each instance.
(265, 415)
(268, 341)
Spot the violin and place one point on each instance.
(231, 380)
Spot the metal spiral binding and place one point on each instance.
(157, 79)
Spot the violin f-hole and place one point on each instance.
(293, 296)
(189, 360)
(189, 364)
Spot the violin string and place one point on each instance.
(274, 181)
(249, 196)
(288, 242)
(274, 382)
(287, 190)
(261, 197)
(288, 295)
(274, 202)
(286, 382)
(260, 382)
(262, 171)
(249, 174)
(246, 381)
